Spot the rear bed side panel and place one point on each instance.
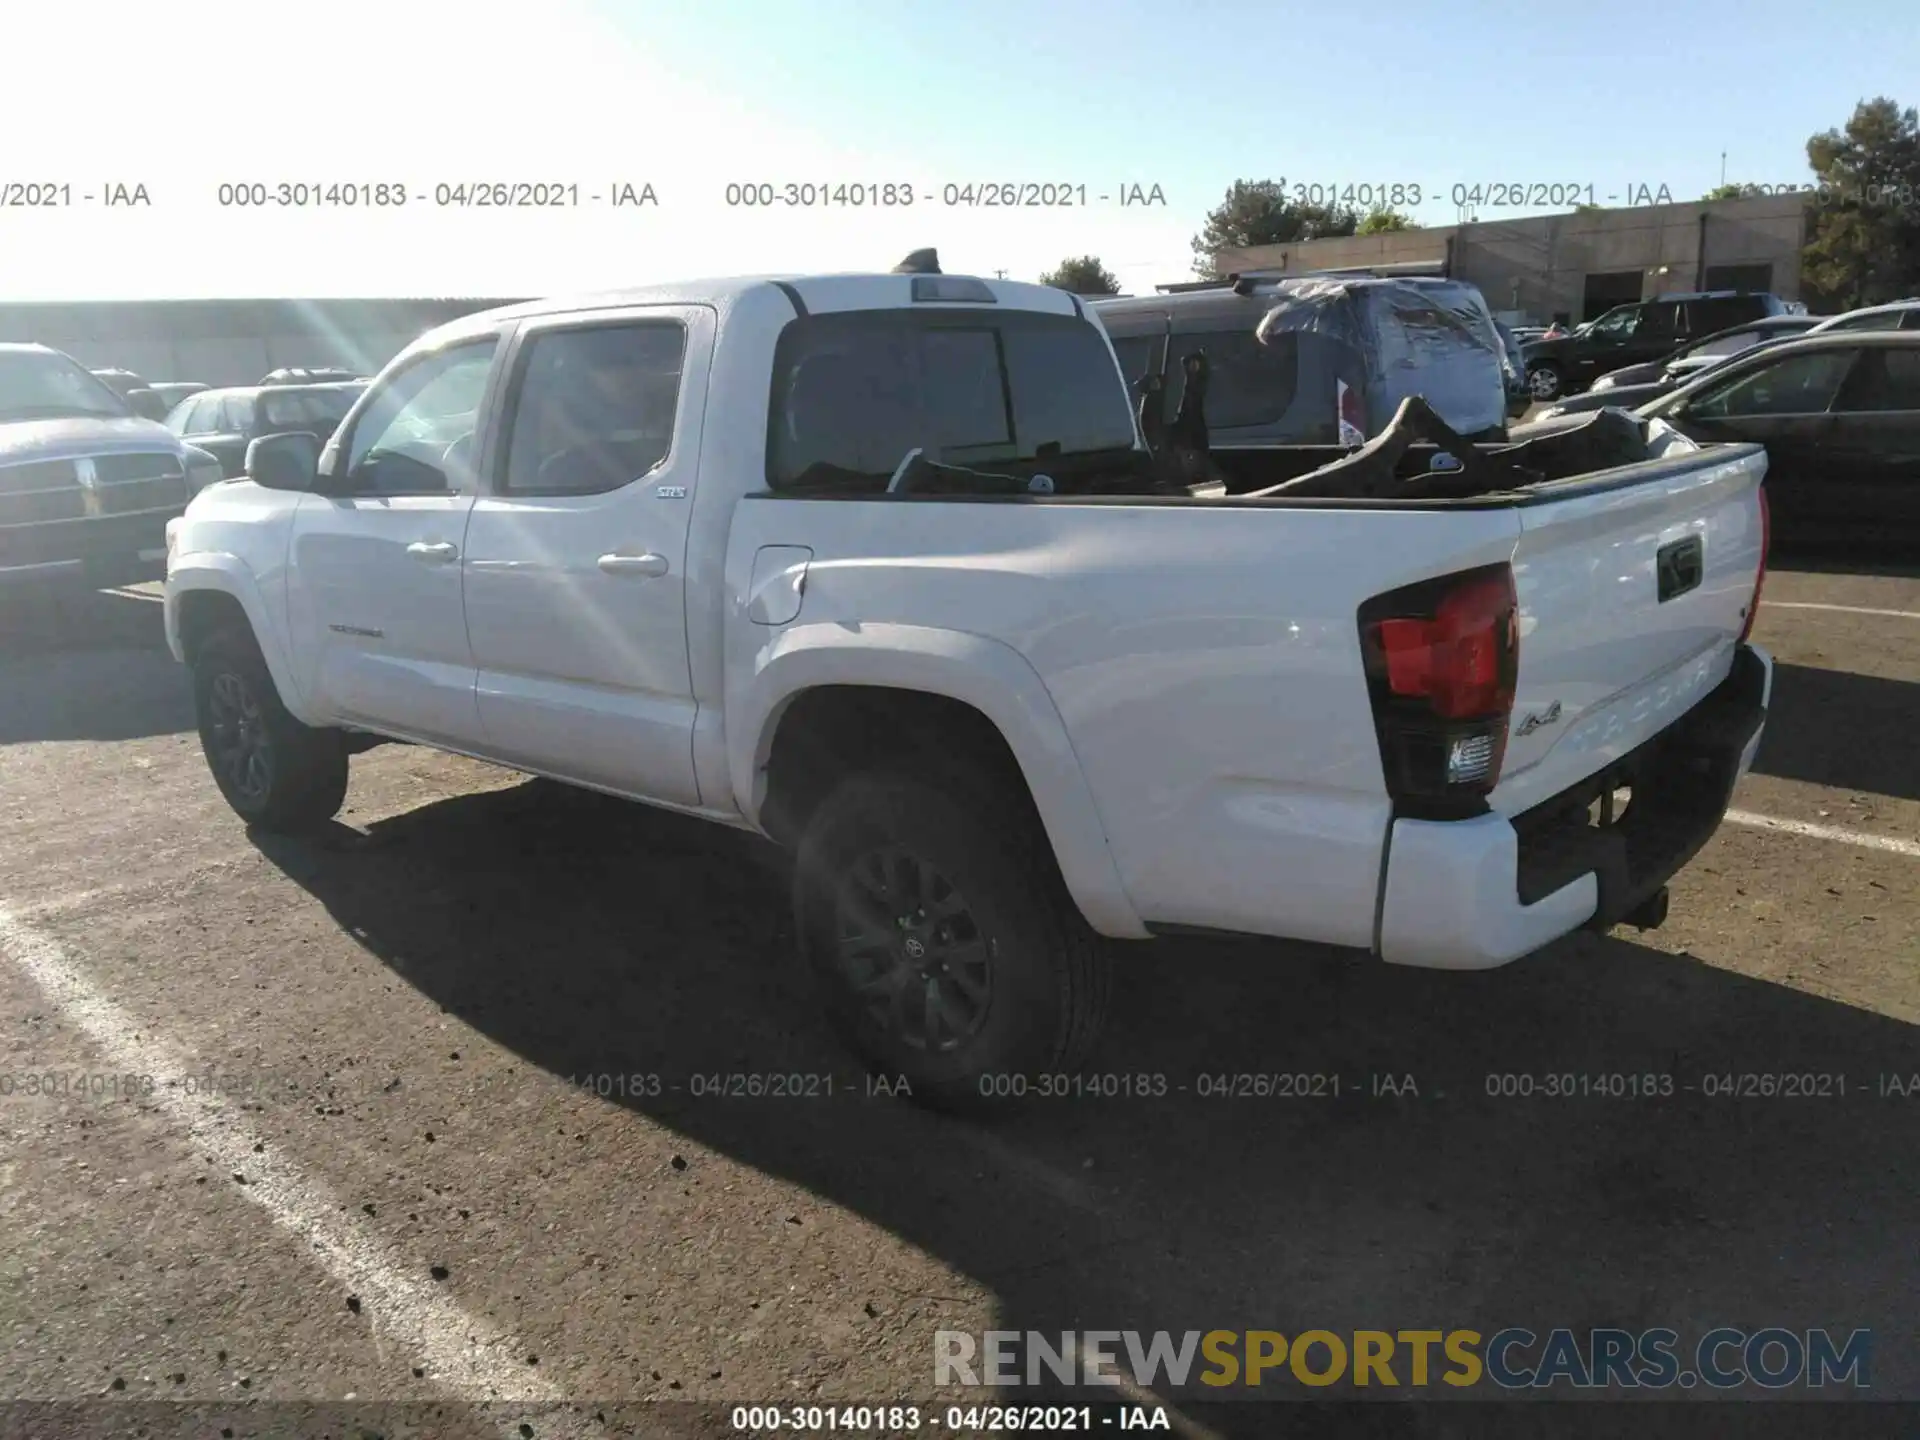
(1604, 662)
(1205, 662)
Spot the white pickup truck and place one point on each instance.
(877, 565)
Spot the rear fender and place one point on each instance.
(991, 677)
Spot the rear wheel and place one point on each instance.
(275, 772)
(1545, 382)
(948, 949)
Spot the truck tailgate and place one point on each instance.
(1632, 597)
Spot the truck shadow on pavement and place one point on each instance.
(1865, 554)
(1873, 752)
(590, 936)
(88, 665)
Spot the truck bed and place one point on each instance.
(1212, 642)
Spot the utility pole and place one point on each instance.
(1723, 167)
(999, 274)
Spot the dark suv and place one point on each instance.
(1632, 334)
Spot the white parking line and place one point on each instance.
(460, 1352)
(1825, 832)
(1842, 609)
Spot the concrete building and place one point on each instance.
(1581, 263)
(229, 342)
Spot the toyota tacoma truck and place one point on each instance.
(86, 485)
(884, 568)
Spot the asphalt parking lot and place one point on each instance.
(401, 1190)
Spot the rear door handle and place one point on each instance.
(637, 567)
(433, 553)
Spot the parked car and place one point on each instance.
(1839, 413)
(1895, 315)
(1320, 360)
(86, 485)
(878, 566)
(1690, 359)
(1694, 360)
(224, 422)
(172, 392)
(309, 375)
(139, 396)
(1642, 331)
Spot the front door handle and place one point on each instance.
(433, 554)
(639, 567)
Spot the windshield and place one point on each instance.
(43, 385)
(299, 409)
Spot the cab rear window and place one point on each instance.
(854, 393)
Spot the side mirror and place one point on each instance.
(149, 404)
(289, 461)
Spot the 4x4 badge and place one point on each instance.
(1549, 716)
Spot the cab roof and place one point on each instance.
(854, 290)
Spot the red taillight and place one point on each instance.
(1455, 660)
(1760, 580)
(1442, 659)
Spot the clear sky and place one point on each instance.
(690, 97)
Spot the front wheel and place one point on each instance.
(275, 772)
(1545, 382)
(948, 949)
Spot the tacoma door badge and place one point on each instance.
(1549, 716)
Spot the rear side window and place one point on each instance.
(1660, 319)
(1883, 380)
(594, 408)
(853, 393)
(1250, 383)
(1882, 320)
(1903, 379)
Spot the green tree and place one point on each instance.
(1740, 190)
(1379, 222)
(1083, 275)
(1257, 212)
(1863, 222)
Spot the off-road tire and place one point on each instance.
(306, 768)
(1050, 975)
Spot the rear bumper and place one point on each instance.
(1474, 894)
